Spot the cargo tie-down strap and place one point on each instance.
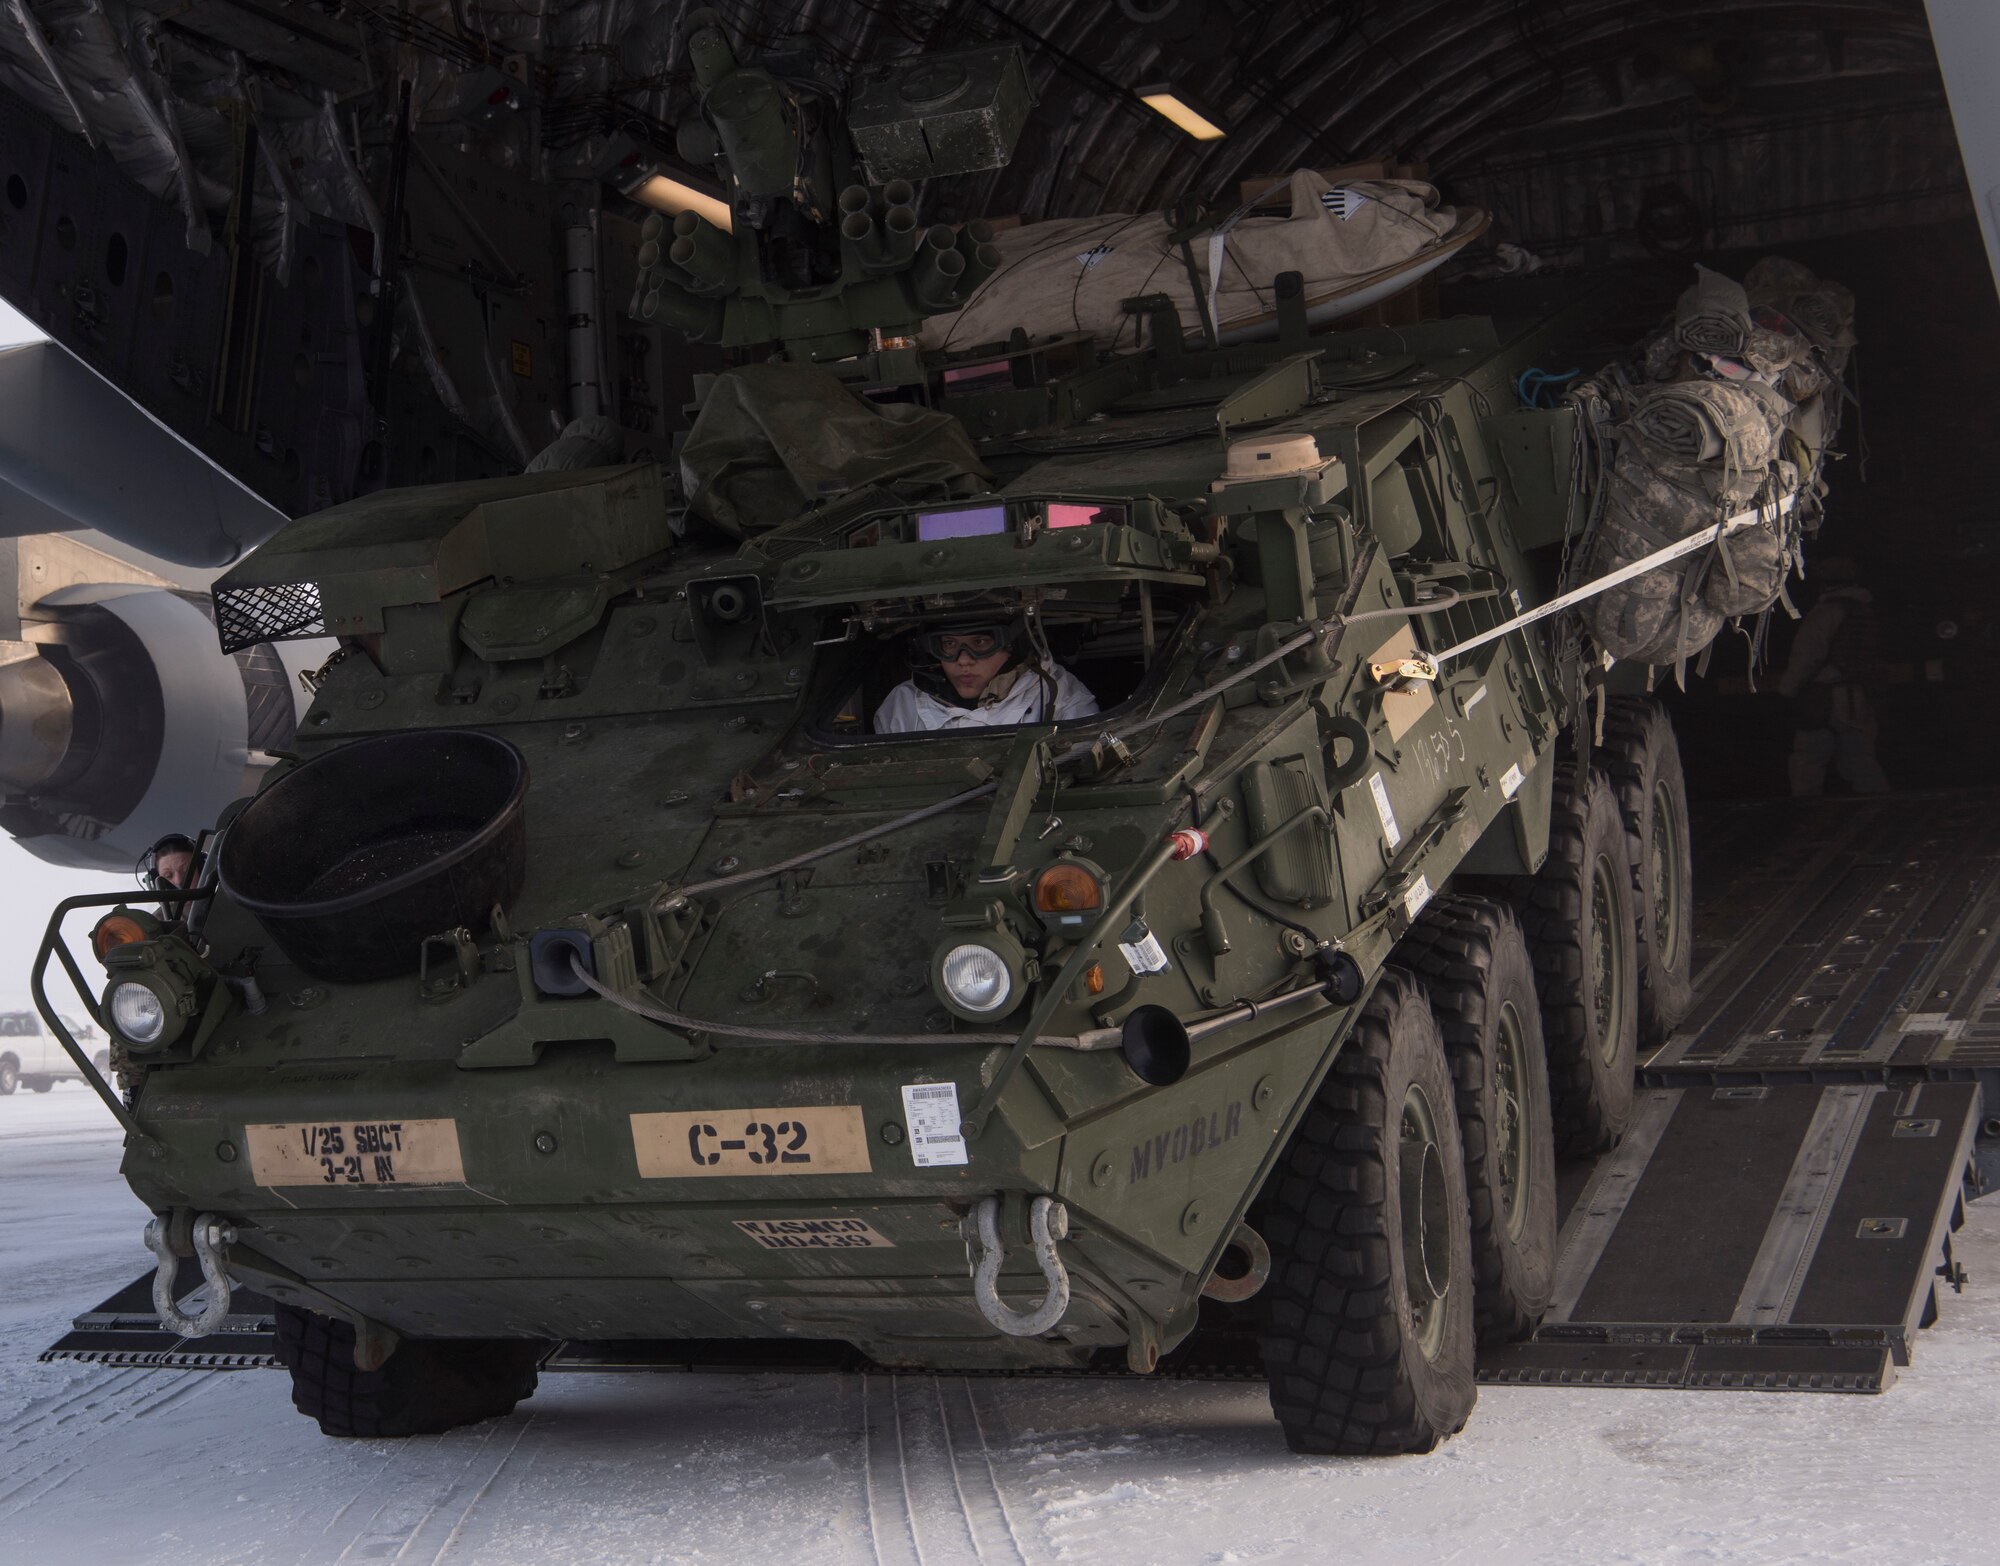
(1426, 665)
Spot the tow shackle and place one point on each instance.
(210, 1238)
(1048, 1222)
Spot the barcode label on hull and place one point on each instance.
(930, 1110)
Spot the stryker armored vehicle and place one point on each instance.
(600, 969)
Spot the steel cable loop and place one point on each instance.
(687, 1024)
(1327, 629)
(1199, 1025)
(853, 840)
(1075, 752)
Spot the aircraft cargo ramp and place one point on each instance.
(1778, 1218)
(1780, 1214)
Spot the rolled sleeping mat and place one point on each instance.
(1713, 316)
(1711, 423)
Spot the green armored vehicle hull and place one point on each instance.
(696, 1072)
(600, 968)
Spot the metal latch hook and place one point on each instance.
(1412, 668)
(1048, 1222)
(211, 1238)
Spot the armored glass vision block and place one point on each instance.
(993, 375)
(973, 523)
(1064, 513)
(934, 114)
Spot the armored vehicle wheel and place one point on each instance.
(1644, 763)
(1578, 917)
(1368, 1330)
(1473, 959)
(39, 1084)
(10, 1076)
(423, 1388)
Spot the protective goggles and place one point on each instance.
(964, 641)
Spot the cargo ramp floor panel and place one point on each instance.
(1775, 1237)
(1779, 1216)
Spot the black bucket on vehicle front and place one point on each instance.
(353, 858)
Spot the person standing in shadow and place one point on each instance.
(1835, 659)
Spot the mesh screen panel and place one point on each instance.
(245, 616)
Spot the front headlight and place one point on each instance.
(138, 1013)
(980, 974)
(975, 978)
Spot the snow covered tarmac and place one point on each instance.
(143, 1466)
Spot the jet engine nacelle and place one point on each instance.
(122, 720)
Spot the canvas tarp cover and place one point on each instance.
(1075, 274)
(773, 439)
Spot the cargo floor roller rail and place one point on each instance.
(1778, 1217)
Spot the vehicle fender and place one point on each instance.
(1516, 841)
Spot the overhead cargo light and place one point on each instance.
(1182, 110)
(639, 172)
(671, 196)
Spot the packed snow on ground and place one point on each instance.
(136, 1466)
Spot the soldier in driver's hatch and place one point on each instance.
(980, 676)
(168, 864)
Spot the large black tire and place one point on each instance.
(1472, 958)
(1582, 933)
(426, 1386)
(10, 1076)
(1368, 1323)
(1643, 761)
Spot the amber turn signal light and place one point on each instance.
(1067, 888)
(115, 930)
